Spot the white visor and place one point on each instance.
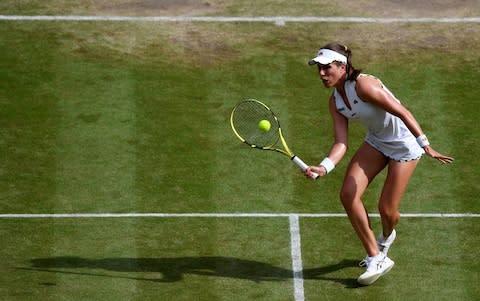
(327, 56)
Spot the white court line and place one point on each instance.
(279, 20)
(296, 251)
(223, 215)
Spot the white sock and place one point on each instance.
(370, 258)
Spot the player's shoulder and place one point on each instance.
(364, 83)
(367, 79)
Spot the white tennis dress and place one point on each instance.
(386, 132)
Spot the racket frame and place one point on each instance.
(285, 151)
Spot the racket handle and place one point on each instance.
(303, 166)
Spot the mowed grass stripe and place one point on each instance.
(28, 119)
(96, 159)
(174, 158)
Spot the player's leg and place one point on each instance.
(364, 166)
(398, 175)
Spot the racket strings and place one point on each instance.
(245, 120)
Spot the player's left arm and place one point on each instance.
(370, 89)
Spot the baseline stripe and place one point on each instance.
(280, 20)
(296, 251)
(223, 215)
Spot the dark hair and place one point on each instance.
(352, 73)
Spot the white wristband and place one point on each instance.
(422, 141)
(328, 164)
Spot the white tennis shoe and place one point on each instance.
(383, 245)
(377, 266)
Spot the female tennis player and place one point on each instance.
(394, 141)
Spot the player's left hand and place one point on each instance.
(436, 155)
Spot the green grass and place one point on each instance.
(421, 273)
(228, 258)
(146, 259)
(133, 117)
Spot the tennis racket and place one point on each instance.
(245, 119)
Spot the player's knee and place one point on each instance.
(347, 196)
(388, 213)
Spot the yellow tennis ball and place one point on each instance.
(264, 125)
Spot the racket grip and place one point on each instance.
(303, 166)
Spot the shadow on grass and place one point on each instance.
(174, 269)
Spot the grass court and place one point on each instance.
(133, 118)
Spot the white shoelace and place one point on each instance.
(364, 262)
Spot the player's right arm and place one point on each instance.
(340, 127)
(340, 144)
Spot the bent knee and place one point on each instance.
(347, 196)
(389, 213)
